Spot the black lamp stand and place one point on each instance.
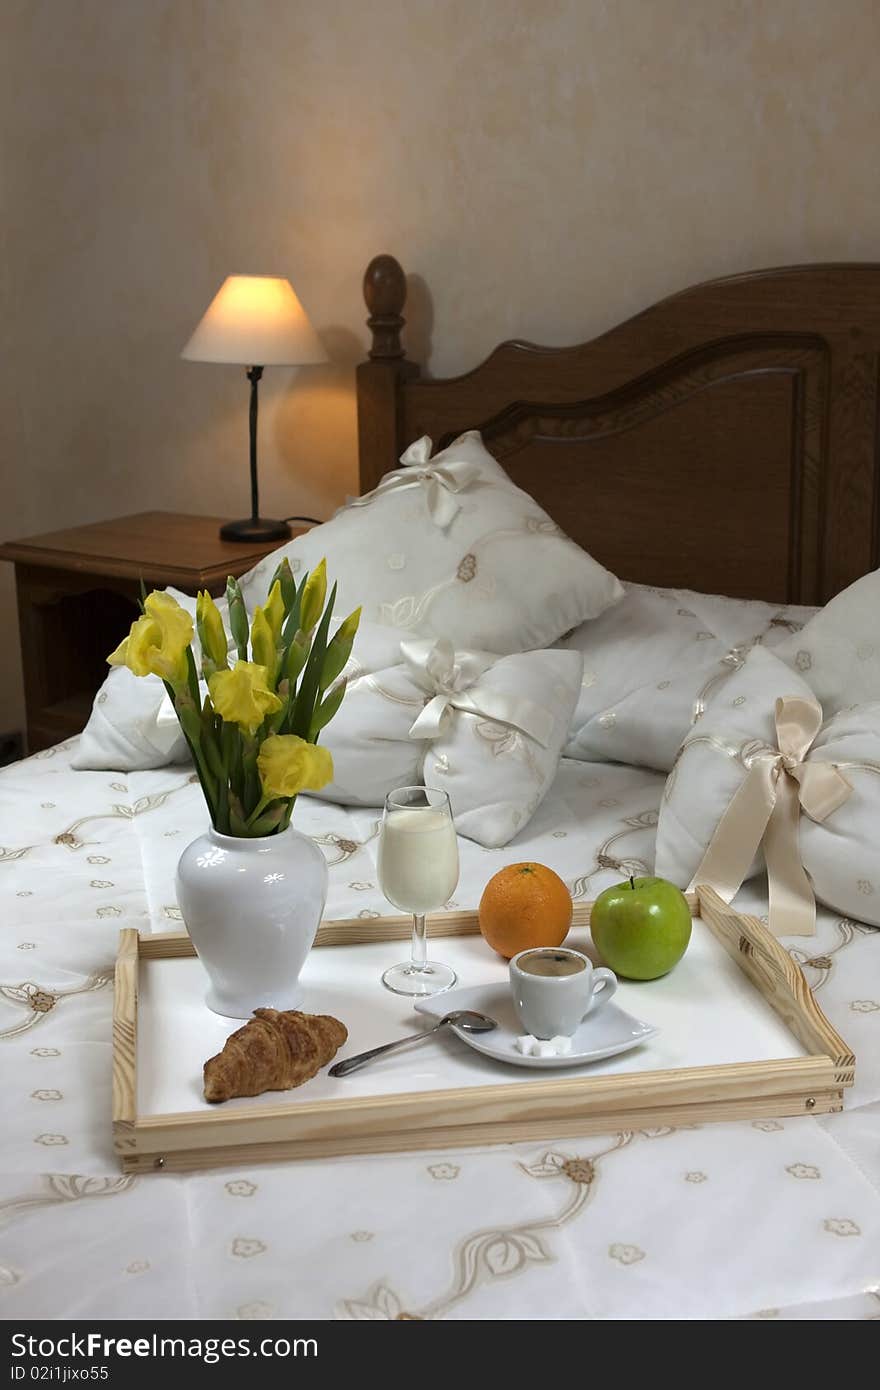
(254, 527)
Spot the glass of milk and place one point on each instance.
(418, 872)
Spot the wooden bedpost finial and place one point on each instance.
(385, 296)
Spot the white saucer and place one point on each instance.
(605, 1032)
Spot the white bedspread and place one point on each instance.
(771, 1219)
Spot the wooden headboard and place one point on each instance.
(724, 440)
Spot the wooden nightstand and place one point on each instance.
(78, 592)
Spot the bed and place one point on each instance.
(734, 427)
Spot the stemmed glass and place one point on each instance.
(418, 872)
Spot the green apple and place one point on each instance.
(642, 927)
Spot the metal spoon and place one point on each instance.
(465, 1019)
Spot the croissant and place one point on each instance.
(274, 1051)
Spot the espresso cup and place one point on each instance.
(554, 988)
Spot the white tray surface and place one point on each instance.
(707, 1012)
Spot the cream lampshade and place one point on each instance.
(255, 321)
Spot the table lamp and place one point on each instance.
(255, 319)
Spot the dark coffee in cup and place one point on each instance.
(551, 964)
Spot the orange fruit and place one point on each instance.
(525, 905)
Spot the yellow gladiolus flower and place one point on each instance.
(158, 641)
(274, 609)
(212, 633)
(241, 696)
(313, 596)
(288, 765)
(263, 643)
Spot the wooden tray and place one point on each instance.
(768, 1007)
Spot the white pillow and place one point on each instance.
(839, 655)
(125, 732)
(133, 726)
(450, 547)
(486, 730)
(653, 661)
(446, 546)
(838, 853)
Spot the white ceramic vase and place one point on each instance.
(252, 908)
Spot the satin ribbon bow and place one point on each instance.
(765, 812)
(452, 679)
(440, 482)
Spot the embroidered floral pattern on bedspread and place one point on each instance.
(577, 1228)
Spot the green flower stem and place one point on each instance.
(304, 708)
(193, 678)
(217, 763)
(270, 822)
(296, 655)
(261, 805)
(237, 824)
(251, 777)
(291, 622)
(326, 710)
(209, 786)
(212, 755)
(230, 743)
(223, 809)
(339, 650)
(274, 723)
(209, 791)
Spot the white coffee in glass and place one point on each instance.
(418, 859)
(418, 873)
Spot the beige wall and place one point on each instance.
(547, 167)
